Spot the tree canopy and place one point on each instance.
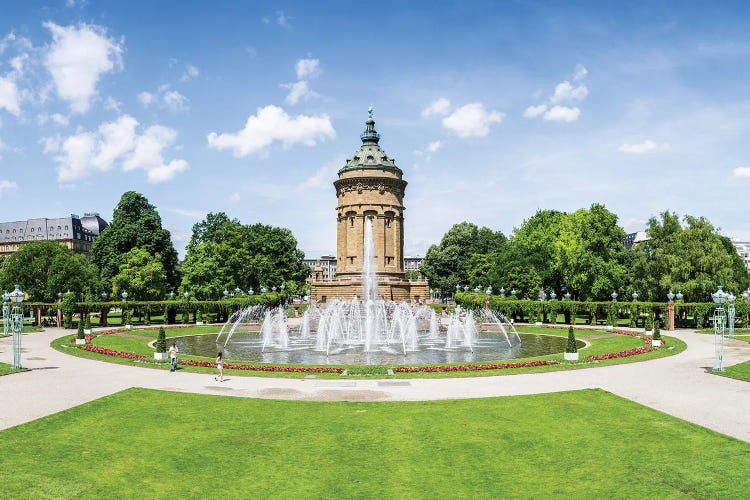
(44, 268)
(142, 275)
(135, 224)
(224, 254)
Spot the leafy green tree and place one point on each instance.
(43, 268)
(590, 254)
(142, 275)
(450, 263)
(224, 254)
(71, 271)
(692, 258)
(135, 224)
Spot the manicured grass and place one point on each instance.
(136, 341)
(740, 371)
(6, 369)
(584, 444)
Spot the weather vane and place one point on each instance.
(369, 112)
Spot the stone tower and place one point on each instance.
(370, 186)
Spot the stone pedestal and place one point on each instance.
(670, 315)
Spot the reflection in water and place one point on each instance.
(489, 347)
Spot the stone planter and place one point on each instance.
(656, 343)
(571, 356)
(648, 333)
(160, 356)
(128, 327)
(87, 331)
(609, 327)
(199, 323)
(80, 341)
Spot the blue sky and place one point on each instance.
(492, 109)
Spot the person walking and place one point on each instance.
(220, 367)
(173, 357)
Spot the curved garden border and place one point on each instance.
(437, 368)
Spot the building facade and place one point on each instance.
(412, 263)
(743, 250)
(370, 188)
(325, 265)
(74, 232)
(632, 239)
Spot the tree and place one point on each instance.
(692, 258)
(590, 254)
(224, 254)
(142, 275)
(43, 268)
(135, 224)
(450, 263)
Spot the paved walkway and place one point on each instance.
(676, 385)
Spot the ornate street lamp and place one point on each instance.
(502, 292)
(6, 315)
(678, 296)
(730, 313)
(719, 297)
(16, 323)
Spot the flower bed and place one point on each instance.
(111, 352)
(263, 368)
(622, 354)
(461, 368)
(88, 339)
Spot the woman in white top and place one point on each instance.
(220, 367)
(173, 357)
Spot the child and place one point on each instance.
(173, 357)
(220, 367)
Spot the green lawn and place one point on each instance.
(584, 444)
(5, 369)
(136, 341)
(740, 371)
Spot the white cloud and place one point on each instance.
(298, 91)
(647, 146)
(190, 72)
(472, 120)
(6, 186)
(18, 63)
(9, 98)
(115, 143)
(235, 197)
(55, 118)
(433, 146)
(77, 58)
(146, 98)
(534, 111)
(175, 101)
(270, 124)
(112, 104)
(195, 214)
(562, 114)
(439, 107)
(282, 19)
(742, 172)
(580, 73)
(566, 92)
(308, 69)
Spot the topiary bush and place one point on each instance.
(571, 345)
(87, 324)
(80, 334)
(161, 341)
(657, 334)
(649, 324)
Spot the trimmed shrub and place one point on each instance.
(80, 334)
(657, 334)
(161, 341)
(649, 325)
(571, 345)
(87, 324)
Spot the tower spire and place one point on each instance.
(370, 135)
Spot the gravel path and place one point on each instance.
(677, 385)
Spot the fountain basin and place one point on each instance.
(488, 347)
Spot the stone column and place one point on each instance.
(670, 315)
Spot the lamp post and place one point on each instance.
(16, 323)
(635, 296)
(614, 297)
(730, 313)
(487, 292)
(502, 292)
(719, 297)
(6, 315)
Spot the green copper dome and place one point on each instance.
(370, 154)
